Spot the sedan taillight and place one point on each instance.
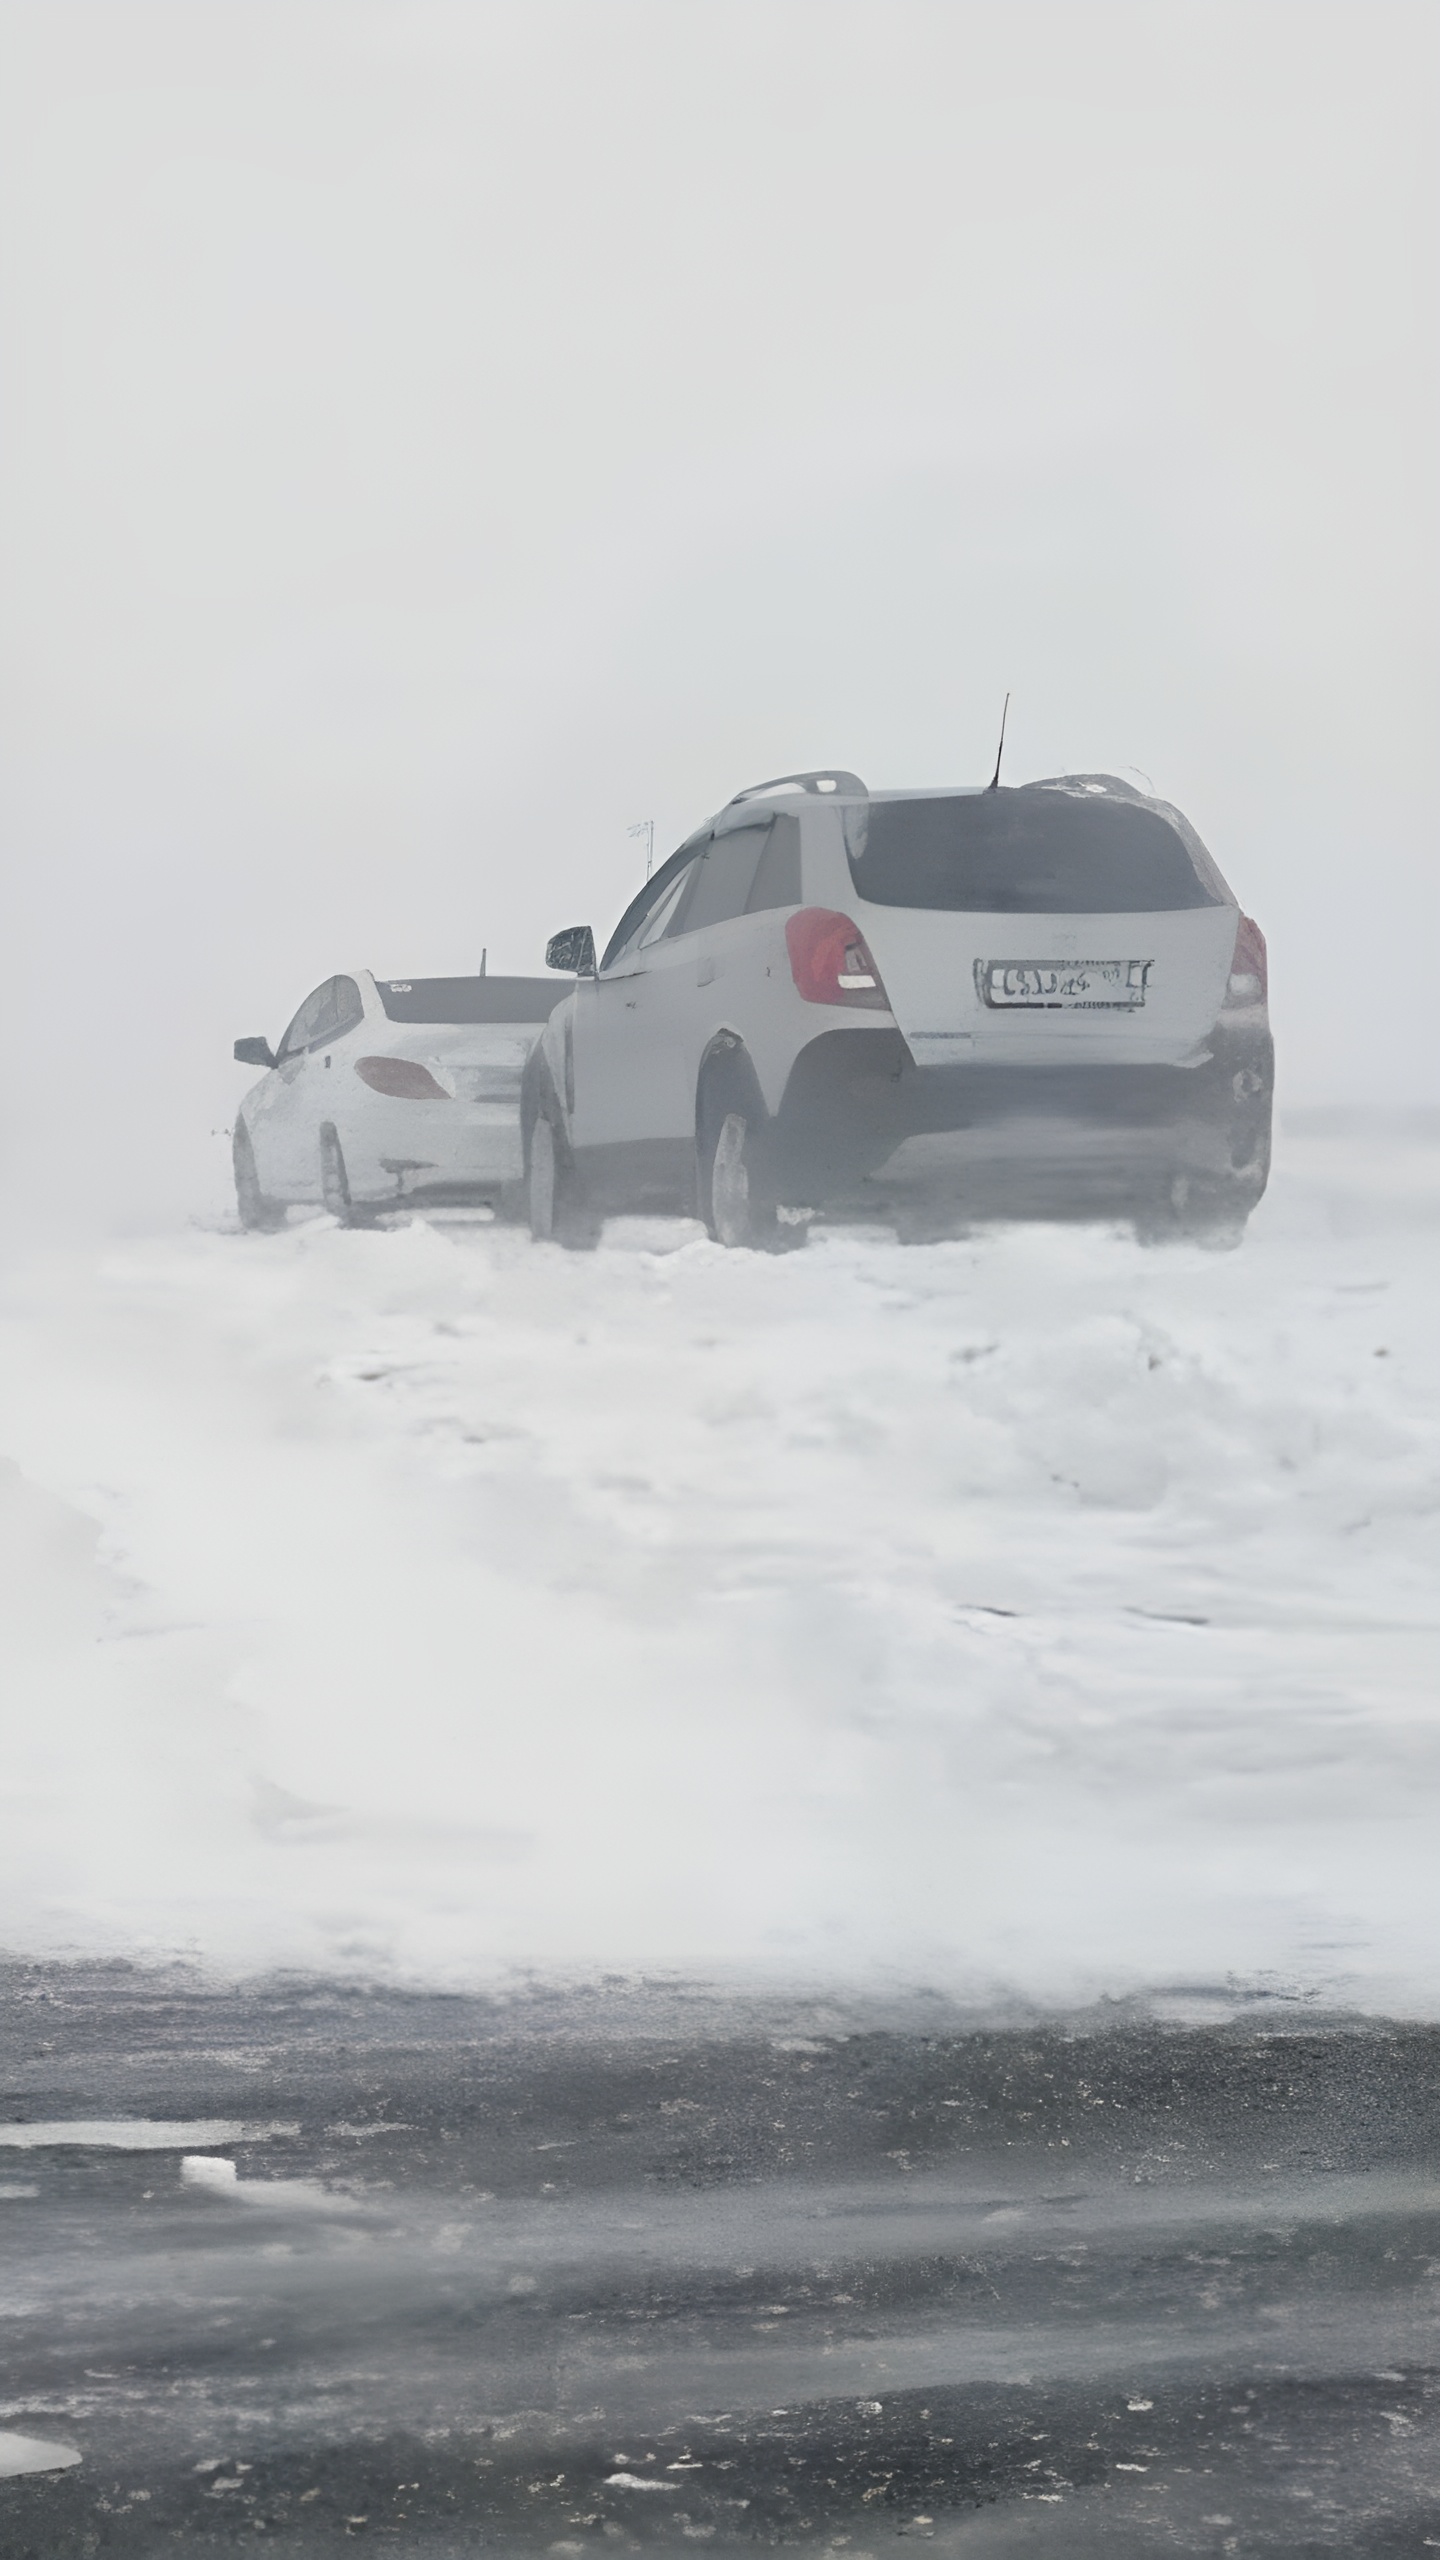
(1250, 967)
(830, 960)
(405, 1078)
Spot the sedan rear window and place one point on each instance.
(1035, 850)
(469, 999)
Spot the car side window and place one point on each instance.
(723, 879)
(333, 1009)
(777, 877)
(349, 1008)
(642, 918)
(304, 1028)
(662, 917)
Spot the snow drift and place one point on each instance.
(1026, 1616)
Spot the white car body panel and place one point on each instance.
(624, 1075)
(642, 1028)
(629, 1044)
(473, 1136)
(274, 1113)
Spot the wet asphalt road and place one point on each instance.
(642, 2270)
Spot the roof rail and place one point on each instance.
(827, 780)
(1113, 785)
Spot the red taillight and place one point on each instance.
(830, 961)
(1249, 968)
(403, 1077)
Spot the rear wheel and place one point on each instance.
(1217, 1222)
(736, 1211)
(1194, 1211)
(929, 1225)
(335, 1182)
(256, 1212)
(1249, 1149)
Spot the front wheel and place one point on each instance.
(542, 1187)
(256, 1212)
(552, 1191)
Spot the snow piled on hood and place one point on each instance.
(1026, 1617)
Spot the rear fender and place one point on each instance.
(847, 1104)
(727, 1081)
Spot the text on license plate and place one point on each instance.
(1108, 986)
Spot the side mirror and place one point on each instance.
(254, 1053)
(573, 950)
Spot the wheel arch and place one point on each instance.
(726, 1080)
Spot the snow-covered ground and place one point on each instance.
(1032, 1615)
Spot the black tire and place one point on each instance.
(259, 1215)
(928, 1225)
(554, 1199)
(334, 1180)
(1192, 1210)
(1249, 1150)
(1217, 1225)
(732, 1172)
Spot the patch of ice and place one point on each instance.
(21, 2454)
(131, 2133)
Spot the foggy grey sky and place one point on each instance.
(437, 436)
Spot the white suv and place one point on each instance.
(940, 1005)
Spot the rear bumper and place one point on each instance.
(432, 1151)
(858, 1111)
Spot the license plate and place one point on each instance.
(1079, 986)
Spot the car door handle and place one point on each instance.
(704, 972)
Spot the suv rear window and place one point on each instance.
(1033, 850)
(470, 999)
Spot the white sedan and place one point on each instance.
(389, 1090)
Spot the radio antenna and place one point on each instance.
(1000, 750)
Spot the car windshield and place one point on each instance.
(1035, 850)
(469, 999)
